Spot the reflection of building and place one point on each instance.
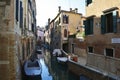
(64, 24)
(16, 40)
(102, 29)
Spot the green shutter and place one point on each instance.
(86, 27)
(91, 26)
(103, 24)
(90, 1)
(87, 2)
(114, 21)
(63, 19)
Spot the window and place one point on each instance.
(65, 32)
(23, 52)
(33, 27)
(88, 26)
(65, 19)
(59, 20)
(109, 22)
(21, 15)
(73, 45)
(17, 9)
(109, 52)
(90, 49)
(88, 2)
(56, 24)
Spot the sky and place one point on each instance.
(49, 9)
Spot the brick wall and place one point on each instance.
(98, 60)
(79, 47)
(9, 52)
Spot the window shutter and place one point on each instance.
(103, 24)
(21, 15)
(86, 27)
(91, 26)
(17, 9)
(32, 27)
(115, 21)
(63, 18)
(88, 2)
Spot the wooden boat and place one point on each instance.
(62, 60)
(39, 51)
(57, 52)
(32, 68)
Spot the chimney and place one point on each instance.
(76, 10)
(59, 8)
(48, 21)
(70, 9)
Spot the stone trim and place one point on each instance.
(110, 9)
(4, 62)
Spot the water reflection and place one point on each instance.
(45, 73)
(33, 78)
(57, 70)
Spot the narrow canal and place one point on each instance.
(52, 70)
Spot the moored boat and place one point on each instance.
(57, 52)
(62, 60)
(32, 68)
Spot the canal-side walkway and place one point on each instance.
(81, 69)
(78, 65)
(82, 60)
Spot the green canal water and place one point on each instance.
(55, 70)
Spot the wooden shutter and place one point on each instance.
(63, 19)
(21, 15)
(67, 20)
(88, 2)
(114, 21)
(17, 9)
(91, 26)
(103, 24)
(86, 27)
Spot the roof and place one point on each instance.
(66, 12)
